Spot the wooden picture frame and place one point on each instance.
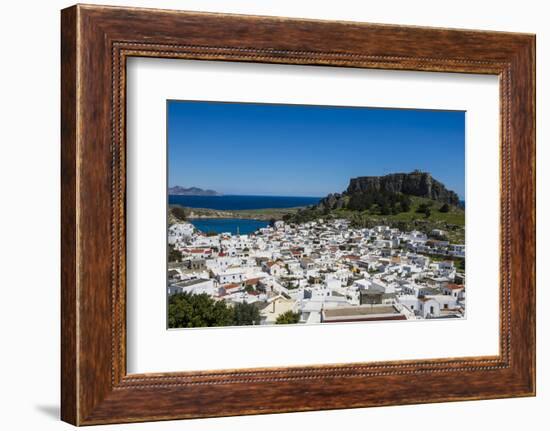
(95, 43)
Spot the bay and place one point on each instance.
(232, 225)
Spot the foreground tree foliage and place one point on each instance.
(246, 314)
(287, 318)
(195, 311)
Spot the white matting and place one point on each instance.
(152, 348)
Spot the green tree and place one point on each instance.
(173, 254)
(288, 318)
(246, 314)
(423, 207)
(405, 203)
(179, 212)
(385, 209)
(444, 208)
(360, 201)
(386, 202)
(304, 215)
(427, 212)
(193, 311)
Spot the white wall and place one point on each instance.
(29, 175)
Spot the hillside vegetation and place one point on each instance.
(415, 218)
(179, 213)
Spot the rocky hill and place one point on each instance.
(415, 183)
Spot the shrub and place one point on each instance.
(193, 311)
(179, 213)
(288, 318)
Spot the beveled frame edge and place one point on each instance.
(96, 41)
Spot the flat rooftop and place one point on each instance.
(187, 283)
(359, 310)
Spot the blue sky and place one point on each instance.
(297, 150)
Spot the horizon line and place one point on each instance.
(256, 194)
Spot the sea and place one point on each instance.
(236, 226)
(244, 202)
(237, 202)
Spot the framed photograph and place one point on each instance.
(266, 215)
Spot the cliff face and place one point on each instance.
(415, 183)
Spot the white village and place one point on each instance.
(323, 271)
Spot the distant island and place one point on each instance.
(191, 191)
